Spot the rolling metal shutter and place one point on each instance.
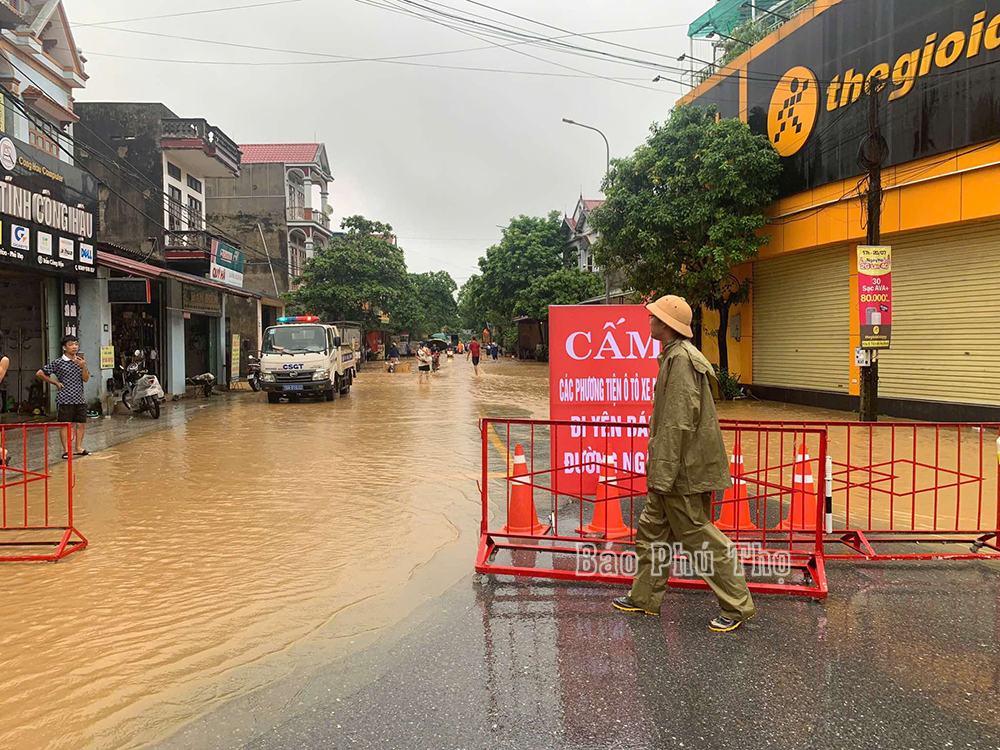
(802, 321)
(945, 317)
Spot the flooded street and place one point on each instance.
(249, 540)
(218, 545)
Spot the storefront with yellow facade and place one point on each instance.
(803, 87)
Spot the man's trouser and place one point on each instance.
(687, 519)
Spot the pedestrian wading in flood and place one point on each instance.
(687, 465)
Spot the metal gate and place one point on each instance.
(36, 504)
(546, 525)
(906, 484)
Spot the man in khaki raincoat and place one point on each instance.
(687, 464)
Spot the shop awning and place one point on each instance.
(147, 271)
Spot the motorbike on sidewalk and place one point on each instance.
(253, 373)
(141, 390)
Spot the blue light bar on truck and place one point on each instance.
(300, 319)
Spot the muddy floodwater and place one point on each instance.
(248, 541)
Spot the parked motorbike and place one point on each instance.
(253, 373)
(141, 390)
(205, 381)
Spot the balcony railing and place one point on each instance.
(11, 13)
(763, 25)
(299, 213)
(188, 240)
(216, 142)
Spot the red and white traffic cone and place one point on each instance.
(735, 513)
(802, 515)
(607, 520)
(521, 515)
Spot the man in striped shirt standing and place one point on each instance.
(68, 374)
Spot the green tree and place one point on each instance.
(355, 276)
(472, 310)
(532, 247)
(428, 304)
(685, 208)
(567, 286)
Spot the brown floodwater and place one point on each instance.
(220, 546)
(252, 540)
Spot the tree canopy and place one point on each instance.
(355, 276)
(532, 247)
(567, 286)
(685, 208)
(428, 305)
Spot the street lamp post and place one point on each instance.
(607, 171)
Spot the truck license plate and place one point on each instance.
(294, 387)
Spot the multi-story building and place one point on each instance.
(199, 315)
(807, 86)
(48, 205)
(282, 197)
(580, 236)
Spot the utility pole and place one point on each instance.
(871, 156)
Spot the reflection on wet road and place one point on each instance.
(218, 544)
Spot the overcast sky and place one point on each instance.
(442, 155)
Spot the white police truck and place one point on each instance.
(301, 356)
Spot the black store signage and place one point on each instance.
(46, 224)
(940, 62)
(129, 291)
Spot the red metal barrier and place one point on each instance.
(781, 552)
(36, 504)
(905, 483)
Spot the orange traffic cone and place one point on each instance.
(802, 515)
(607, 520)
(735, 505)
(521, 515)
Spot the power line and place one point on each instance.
(188, 13)
(393, 62)
(525, 54)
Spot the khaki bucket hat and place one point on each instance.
(675, 312)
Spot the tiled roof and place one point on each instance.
(279, 153)
(591, 205)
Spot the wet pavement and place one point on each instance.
(299, 576)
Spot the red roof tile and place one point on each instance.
(589, 205)
(279, 153)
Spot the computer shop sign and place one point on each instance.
(40, 231)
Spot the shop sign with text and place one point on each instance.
(47, 212)
(602, 368)
(227, 264)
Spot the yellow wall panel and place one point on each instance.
(980, 196)
(931, 204)
(982, 155)
(800, 230)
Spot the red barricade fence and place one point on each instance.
(36, 503)
(897, 485)
(569, 511)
